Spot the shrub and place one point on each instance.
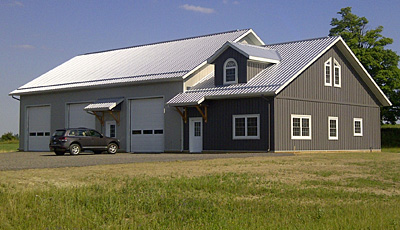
(9, 137)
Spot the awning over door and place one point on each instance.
(105, 105)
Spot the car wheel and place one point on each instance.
(112, 148)
(75, 149)
(59, 153)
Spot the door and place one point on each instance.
(38, 128)
(195, 134)
(111, 129)
(147, 125)
(77, 117)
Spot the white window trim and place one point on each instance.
(329, 128)
(361, 127)
(340, 73)
(236, 72)
(328, 63)
(291, 127)
(245, 137)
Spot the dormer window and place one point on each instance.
(328, 72)
(230, 72)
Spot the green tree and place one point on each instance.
(9, 136)
(369, 47)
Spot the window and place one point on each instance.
(246, 126)
(333, 128)
(301, 127)
(328, 72)
(358, 127)
(336, 74)
(230, 71)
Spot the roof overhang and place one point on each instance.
(341, 44)
(104, 104)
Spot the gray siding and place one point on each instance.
(59, 100)
(319, 126)
(253, 68)
(307, 95)
(219, 66)
(218, 130)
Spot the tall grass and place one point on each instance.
(327, 191)
(9, 146)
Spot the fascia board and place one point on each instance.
(239, 95)
(306, 66)
(222, 49)
(267, 60)
(194, 70)
(385, 101)
(248, 32)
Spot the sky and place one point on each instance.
(36, 36)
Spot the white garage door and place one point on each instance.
(147, 125)
(77, 117)
(38, 128)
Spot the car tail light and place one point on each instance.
(63, 139)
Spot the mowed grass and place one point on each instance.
(307, 191)
(9, 146)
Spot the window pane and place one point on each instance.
(332, 128)
(305, 131)
(112, 130)
(252, 126)
(357, 127)
(328, 74)
(240, 127)
(197, 129)
(230, 74)
(336, 75)
(231, 64)
(296, 126)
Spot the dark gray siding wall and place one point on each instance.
(219, 66)
(307, 95)
(217, 132)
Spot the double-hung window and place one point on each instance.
(246, 126)
(328, 72)
(230, 72)
(333, 128)
(336, 74)
(301, 127)
(358, 127)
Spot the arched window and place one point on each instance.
(230, 71)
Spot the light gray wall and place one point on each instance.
(307, 95)
(59, 100)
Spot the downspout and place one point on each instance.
(269, 121)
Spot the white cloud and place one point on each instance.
(198, 9)
(24, 46)
(227, 1)
(12, 3)
(18, 3)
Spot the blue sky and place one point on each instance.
(36, 36)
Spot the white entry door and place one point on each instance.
(147, 125)
(77, 117)
(195, 134)
(38, 128)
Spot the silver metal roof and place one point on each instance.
(252, 52)
(295, 57)
(104, 104)
(157, 61)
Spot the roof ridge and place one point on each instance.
(252, 45)
(168, 41)
(304, 40)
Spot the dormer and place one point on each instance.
(236, 63)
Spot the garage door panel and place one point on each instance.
(38, 128)
(147, 125)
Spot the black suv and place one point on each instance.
(80, 139)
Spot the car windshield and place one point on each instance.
(59, 133)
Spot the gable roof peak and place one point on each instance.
(303, 40)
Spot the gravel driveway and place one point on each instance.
(34, 160)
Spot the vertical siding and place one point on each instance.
(219, 66)
(310, 84)
(319, 112)
(253, 68)
(198, 75)
(218, 130)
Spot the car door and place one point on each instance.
(97, 141)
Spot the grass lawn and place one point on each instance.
(9, 146)
(307, 191)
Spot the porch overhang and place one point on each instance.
(103, 106)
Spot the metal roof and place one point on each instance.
(157, 61)
(252, 52)
(104, 104)
(295, 57)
